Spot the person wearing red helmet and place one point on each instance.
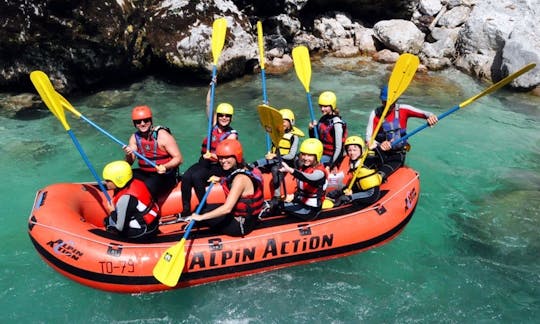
(388, 158)
(196, 176)
(243, 189)
(157, 144)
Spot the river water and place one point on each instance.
(469, 254)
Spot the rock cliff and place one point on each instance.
(87, 44)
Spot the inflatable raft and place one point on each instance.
(66, 228)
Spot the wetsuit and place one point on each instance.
(197, 175)
(136, 214)
(393, 128)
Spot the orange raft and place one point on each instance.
(66, 228)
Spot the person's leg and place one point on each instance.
(300, 211)
(187, 184)
(200, 181)
(391, 163)
(277, 178)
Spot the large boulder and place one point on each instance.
(399, 35)
(492, 38)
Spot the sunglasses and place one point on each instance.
(221, 157)
(146, 121)
(224, 115)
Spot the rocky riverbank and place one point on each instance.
(86, 45)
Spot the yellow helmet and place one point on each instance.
(312, 146)
(328, 98)
(355, 140)
(225, 108)
(367, 178)
(119, 172)
(287, 114)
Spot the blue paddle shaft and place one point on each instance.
(117, 141)
(424, 126)
(263, 77)
(198, 210)
(87, 161)
(311, 114)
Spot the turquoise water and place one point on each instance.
(469, 254)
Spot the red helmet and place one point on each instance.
(230, 147)
(141, 112)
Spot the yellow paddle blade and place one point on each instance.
(261, 44)
(302, 65)
(499, 84)
(401, 76)
(272, 122)
(67, 105)
(169, 267)
(219, 29)
(49, 96)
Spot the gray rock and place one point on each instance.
(399, 35)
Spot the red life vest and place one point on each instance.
(312, 195)
(218, 135)
(147, 209)
(250, 205)
(326, 133)
(151, 150)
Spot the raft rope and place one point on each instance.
(333, 219)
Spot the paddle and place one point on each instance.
(169, 267)
(302, 66)
(219, 29)
(46, 91)
(400, 79)
(260, 40)
(272, 122)
(67, 105)
(494, 87)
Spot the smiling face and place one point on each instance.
(227, 162)
(223, 119)
(143, 125)
(308, 160)
(325, 110)
(354, 152)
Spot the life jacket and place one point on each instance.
(366, 178)
(327, 135)
(250, 205)
(147, 209)
(150, 149)
(285, 144)
(217, 137)
(392, 131)
(312, 195)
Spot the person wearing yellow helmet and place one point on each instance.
(331, 130)
(133, 212)
(311, 182)
(197, 175)
(243, 189)
(389, 157)
(158, 145)
(287, 152)
(366, 189)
